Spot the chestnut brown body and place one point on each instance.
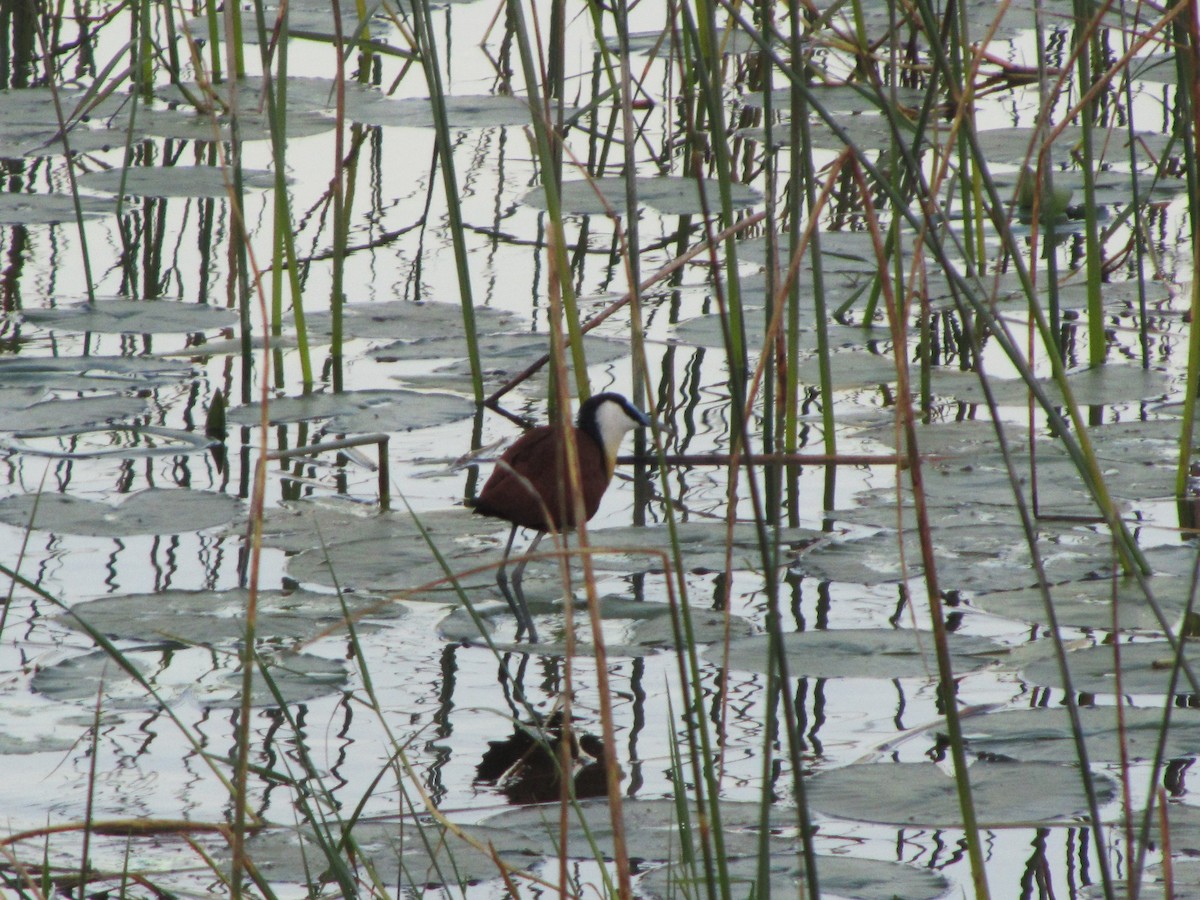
(530, 485)
(531, 489)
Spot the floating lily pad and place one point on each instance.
(133, 317)
(357, 412)
(33, 737)
(54, 415)
(462, 111)
(401, 320)
(648, 626)
(859, 653)
(1102, 386)
(702, 547)
(923, 794)
(35, 105)
(1110, 188)
(304, 92)
(671, 195)
(1045, 735)
(708, 331)
(839, 876)
(1158, 67)
(506, 352)
(106, 441)
(311, 524)
(1089, 604)
(381, 553)
(1145, 669)
(841, 98)
(70, 373)
(173, 181)
(841, 252)
(401, 853)
(733, 41)
(203, 127)
(1011, 146)
(864, 132)
(79, 140)
(196, 673)
(655, 822)
(303, 21)
(974, 556)
(215, 617)
(49, 209)
(152, 511)
(870, 560)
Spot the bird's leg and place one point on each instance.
(502, 583)
(518, 574)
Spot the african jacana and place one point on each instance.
(529, 484)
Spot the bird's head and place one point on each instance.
(607, 418)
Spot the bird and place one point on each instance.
(529, 489)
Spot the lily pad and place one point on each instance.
(401, 853)
(462, 111)
(1045, 735)
(1011, 146)
(730, 41)
(924, 795)
(858, 653)
(504, 352)
(655, 822)
(70, 373)
(195, 673)
(357, 412)
(841, 98)
(49, 209)
(864, 132)
(21, 737)
(401, 320)
(647, 627)
(152, 511)
(1145, 669)
(702, 547)
(174, 181)
(1102, 386)
(203, 127)
(310, 524)
(974, 557)
(304, 92)
(54, 415)
(133, 317)
(381, 553)
(1089, 604)
(106, 441)
(671, 195)
(303, 21)
(839, 876)
(215, 617)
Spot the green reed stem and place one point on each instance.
(1083, 38)
(1187, 63)
(705, 69)
(430, 62)
(212, 12)
(553, 219)
(283, 256)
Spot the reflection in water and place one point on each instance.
(527, 765)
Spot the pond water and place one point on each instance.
(123, 331)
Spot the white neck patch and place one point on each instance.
(613, 423)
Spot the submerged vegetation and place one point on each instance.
(895, 598)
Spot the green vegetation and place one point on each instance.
(911, 574)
